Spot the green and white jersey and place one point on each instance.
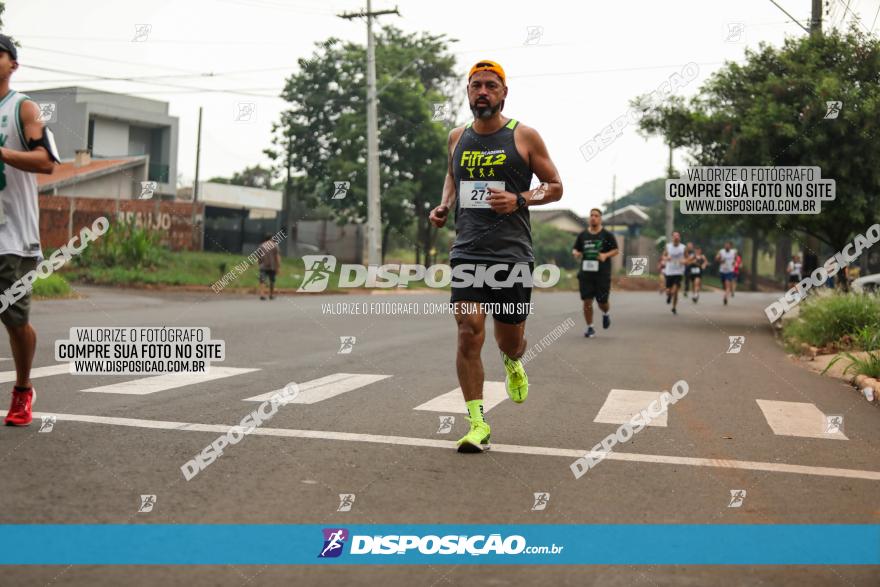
(20, 218)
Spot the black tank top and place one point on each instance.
(481, 233)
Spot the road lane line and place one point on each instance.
(622, 404)
(505, 448)
(796, 419)
(452, 402)
(318, 390)
(148, 385)
(7, 376)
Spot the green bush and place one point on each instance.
(124, 245)
(553, 245)
(839, 319)
(53, 286)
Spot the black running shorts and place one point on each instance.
(508, 303)
(673, 280)
(595, 287)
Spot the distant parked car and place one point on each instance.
(867, 284)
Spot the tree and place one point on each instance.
(321, 137)
(255, 176)
(771, 110)
(2, 25)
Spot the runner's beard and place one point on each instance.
(485, 112)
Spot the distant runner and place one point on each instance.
(737, 263)
(688, 253)
(595, 247)
(794, 270)
(673, 256)
(491, 162)
(661, 264)
(695, 267)
(727, 258)
(270, 262)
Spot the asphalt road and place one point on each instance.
(371, 442)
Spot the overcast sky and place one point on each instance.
(591, 58)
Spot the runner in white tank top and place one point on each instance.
(26, 148)
(674, 258)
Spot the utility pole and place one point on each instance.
(291, 225)
(669, 204)
(613, 195)
(374, 212)
(196, 181)
(816, 21)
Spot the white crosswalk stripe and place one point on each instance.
(797, 419)
(623, 404)
(453, 402)
(324, 388)
(148, 385)
(37, 372)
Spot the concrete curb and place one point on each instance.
(863, 382)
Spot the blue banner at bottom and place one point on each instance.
(611, 544)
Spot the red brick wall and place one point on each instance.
(172, 219)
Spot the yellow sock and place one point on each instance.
(475, 410)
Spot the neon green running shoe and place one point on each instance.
(477, 440)
(517, 382)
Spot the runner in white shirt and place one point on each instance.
(794, 270)
(26, 148)
(673, 255)
(727, 257)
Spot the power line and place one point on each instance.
(788, 14)
(91, 91)
(127, 40)
(155, 83)
(614, 70)
(854, 15)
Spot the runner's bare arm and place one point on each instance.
(607, 255)
(38, 160)
(543, 167)
(440, 214)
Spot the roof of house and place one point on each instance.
(629, 215)
(539, 215)
(67, 173)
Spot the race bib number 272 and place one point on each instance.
(473, 194)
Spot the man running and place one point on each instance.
(737, 263)
(270, 263)
(673, 255)
(794, 270)
(688, 253)
(695, 267)
(661, 264)
(27, 148)
(595, 247)
(727, 258)
(491, 162)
